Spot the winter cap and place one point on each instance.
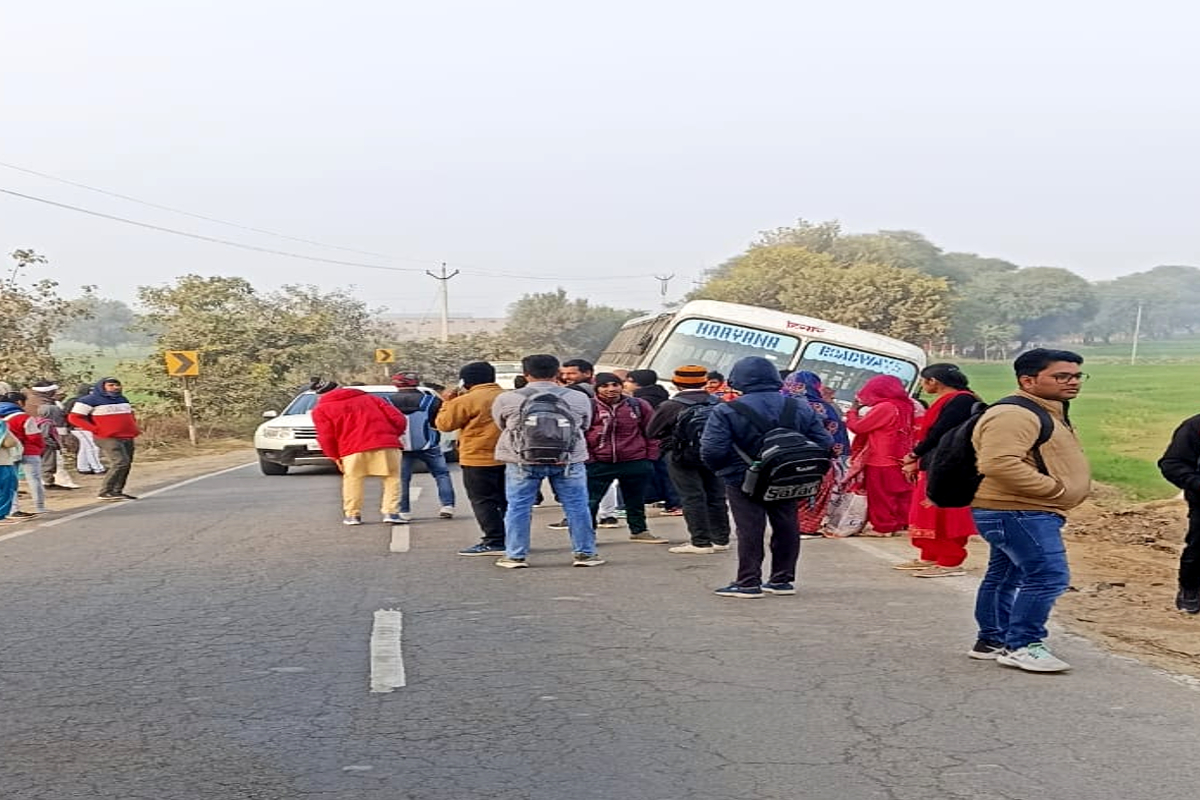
(605, 377)
(477, 372)
(321, 385)
(44, 387)
(690, 375)
(643, 377)
(406, 380)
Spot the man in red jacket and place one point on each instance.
(620, 450)
(361, 433)
(108, 415)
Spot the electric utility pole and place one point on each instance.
(663, 280)
(1137, 332)
(445, 286)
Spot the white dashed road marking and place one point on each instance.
(401, 540)
(387, 659)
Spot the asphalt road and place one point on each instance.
(212, 641)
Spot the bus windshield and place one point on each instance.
(845, 369)
(717, 345)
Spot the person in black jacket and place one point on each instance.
(701, 492)
(940, 534)
(1180, 465)
(725, 432)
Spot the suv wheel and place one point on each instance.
(271, 468)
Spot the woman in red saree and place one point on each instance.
(882, 438)
(939, 533)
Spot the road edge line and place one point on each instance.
(87, 512)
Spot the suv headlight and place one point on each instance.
(277, 433)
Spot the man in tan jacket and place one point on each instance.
(1020, 506)
(470, 412)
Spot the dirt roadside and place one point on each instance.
(1124, 562)
(1124, 559)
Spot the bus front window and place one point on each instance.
(717, 345)
(845, 369)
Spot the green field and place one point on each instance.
(1125, 416)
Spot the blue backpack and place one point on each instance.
(420, 435)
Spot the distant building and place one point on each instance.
(408, 327)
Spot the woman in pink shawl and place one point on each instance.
(882, 438)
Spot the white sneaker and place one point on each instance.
(691, 548)
(446, 512)
(1034, 657)
(720, 548)
(405, 517)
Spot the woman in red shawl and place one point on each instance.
(882, 438)
(939, 533)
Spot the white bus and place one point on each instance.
(715, 335)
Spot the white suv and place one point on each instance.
(290, 439)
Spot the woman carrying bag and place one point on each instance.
(939, 533)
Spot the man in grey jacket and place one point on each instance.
(520, 424)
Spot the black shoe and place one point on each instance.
(110, 496)
(22, 514)
(126, 496)
(985, 650)
(1188, 600)
(559, 526)
(57, 487)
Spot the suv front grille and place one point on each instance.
(304, 433)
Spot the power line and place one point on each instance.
(204, 238)
(192, 214)
(230, 243)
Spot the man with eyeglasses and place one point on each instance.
(1020, 509)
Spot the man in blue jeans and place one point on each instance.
(542, 437)
(422, 442)
(1020, 507)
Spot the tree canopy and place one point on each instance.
(551, 322)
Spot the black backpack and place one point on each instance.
(689, 427)
(788, 465)
(953, 478)
(548, 431)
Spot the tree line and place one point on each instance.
(258, 347)
(901, 284)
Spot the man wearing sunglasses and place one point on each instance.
(1020, 509)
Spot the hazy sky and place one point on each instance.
(594, 145)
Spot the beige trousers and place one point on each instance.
(383, 463)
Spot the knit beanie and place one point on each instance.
(690, 376)
(477, 372)
(44, 387)
(321, 385)
(605, 377)
(406, 380)
(643, 377)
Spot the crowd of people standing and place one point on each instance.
(41, 428)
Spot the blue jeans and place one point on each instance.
(8, 489)
(435, 459)
(32, 467)
(1026, 572)
(521, 482)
